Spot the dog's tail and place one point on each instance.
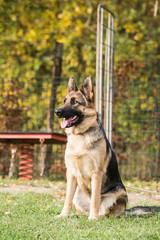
(139, 210)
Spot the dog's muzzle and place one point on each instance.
(70, 116)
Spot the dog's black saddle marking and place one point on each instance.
(111, 180)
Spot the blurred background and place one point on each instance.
(43, 43)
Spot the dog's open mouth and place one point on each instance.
(69, 122)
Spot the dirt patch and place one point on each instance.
(23, 189)
(59, 190)
(143, 197)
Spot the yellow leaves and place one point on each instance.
(13, 17)
(130, 28)
(67, 22)
(148, 104)
(19, 53)
(115, 24)
(66, 19)
(58, 161)
(89, 10)
(46, 37)
(77, 9)
(151, 103)
(142, 97)
(155, 45)
(20, 33)
(151, 42)
(45, 122)
(61, 39)
(136, 37)
(133, 48)
(155, 92)
(60, 16)
(32, 33)
(125, 123)
(74, 62)
(143, 79)
(77, 28)
(143, 106)
(29, 74)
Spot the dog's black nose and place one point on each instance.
(58, 112)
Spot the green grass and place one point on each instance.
(31, 216)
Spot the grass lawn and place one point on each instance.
(31, 216)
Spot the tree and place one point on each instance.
(29, 32)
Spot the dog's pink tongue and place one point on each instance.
(64, 123)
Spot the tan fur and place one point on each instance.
(86, 161)
(87, 164)
(114, 202)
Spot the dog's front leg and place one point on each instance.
(96, 181)
(71, 188)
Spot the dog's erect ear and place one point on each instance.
(72, 84)
(87, 89)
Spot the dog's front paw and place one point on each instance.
(61, 216)
(93, 217)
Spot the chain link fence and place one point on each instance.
(136, 122)
(136, 126)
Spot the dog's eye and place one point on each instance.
(73, 101)
(64, 100)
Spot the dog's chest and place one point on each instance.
(82, 156)
(76, 153)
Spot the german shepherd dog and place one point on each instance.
(94, 184)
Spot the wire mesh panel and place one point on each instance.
(25, 103)
(104, 67)
(136, 126)
(136, 116)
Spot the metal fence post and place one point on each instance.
(104, 67)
